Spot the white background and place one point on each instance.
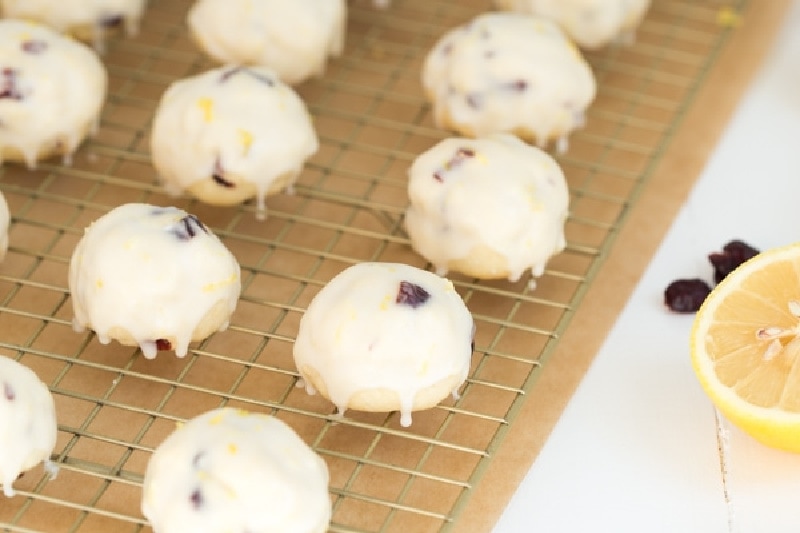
(636, 449)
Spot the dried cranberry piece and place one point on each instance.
(686, 295)
(228, 74)
(474, 100)
(733, 254)
(163, 345)
(197, 458)
(8, 392)
(187, 228)
(518, 86)
(461, 155)
(411, 294)
(8, 84)
(111, 21)
(34, 46)
(260, 77)
(218, 175)
(458, 158)
(219, 180)
(196, 499)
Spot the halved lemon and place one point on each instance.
(745, 347)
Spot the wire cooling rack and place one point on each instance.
(114, 407)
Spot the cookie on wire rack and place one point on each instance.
(153, 277)
(88, 20)
(230, 134)
(233, 470)
(509, 73)
(385, 337)
(295, 38)
(27, 423)
(490, 208)
(52, 89)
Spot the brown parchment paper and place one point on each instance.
(661, 104)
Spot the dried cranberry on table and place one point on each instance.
(686, 295)
(732, 255)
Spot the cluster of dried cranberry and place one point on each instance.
(686, 295)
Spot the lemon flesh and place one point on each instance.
(745, 347)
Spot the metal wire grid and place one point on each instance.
(114, 407)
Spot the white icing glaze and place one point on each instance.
(139, 269)
(67, 16)
(356, 337)
(508, 72)
(590, 23)
(27, 422)
(229, 470)
(54, 90)
(292, 37)
(506, 196)
(5, 219)
(243, 124)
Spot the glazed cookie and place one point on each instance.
(52, 89)
(27, 423)
(591, 24)
(490, 207)
(230, 470)
(508, 73)
(152, 276)
(294, 38)
(5, 220)
(88, 20)
(231, 134)
(385, 337)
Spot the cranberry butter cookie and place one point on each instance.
(231, 470)
(231, 134)
(294, 38)
(509, 73)
(52, 89)
(490, 208)
(27, 422)
(153, 277)
(385, 337)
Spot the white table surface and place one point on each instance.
(636, 448)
